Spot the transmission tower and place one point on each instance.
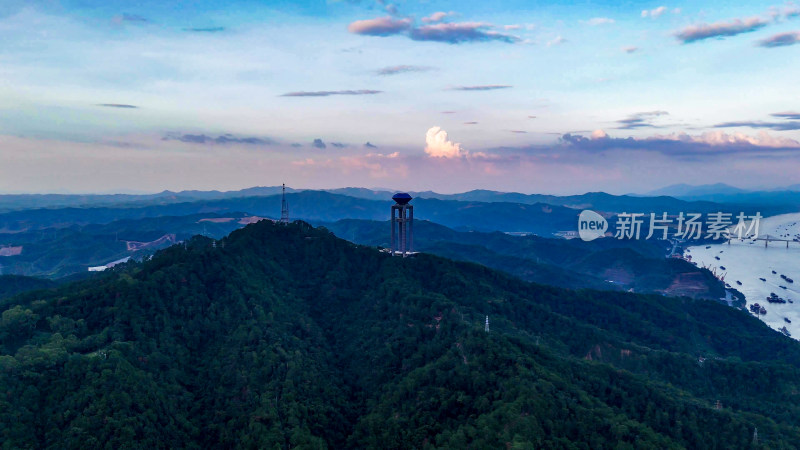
(755, 436)
(486, 328)
(284, 206)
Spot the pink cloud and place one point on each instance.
(381, 26)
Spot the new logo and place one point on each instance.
(591, 225)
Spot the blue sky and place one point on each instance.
(511, 95)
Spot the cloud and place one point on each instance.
(391, 8)
(640, 120)
(630, 49)
(394, 70)
(448, 112)
(372, 164)
(128, 18)
(518, 131)
(118, 105)
(338, 144)
(450, 33)
(221, 139)
(318, 143)
(787, 115)
(487, 87)
(654, 13)
(296, 145)
(369, 145)
(437, 17)
(713, 143)
(438, 145)
(205, 30)
(694, 33)
(329, 93)
(457, 33)
(777, 126)
(558, 40)
(780, 40)
(718, 138)
(381, 26)
(600, 21)
(470, 123)
(512, 27)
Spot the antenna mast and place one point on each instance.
(284, 206)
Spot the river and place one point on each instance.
(746, 262)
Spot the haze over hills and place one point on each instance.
(667, 199)
(723, 193)
(688, 190)
(287, 336)
(599, 201)
(483, 210)
(313, 206)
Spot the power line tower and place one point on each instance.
(755, 436)
(486, 328)
(284, 206)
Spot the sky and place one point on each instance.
(527, 96)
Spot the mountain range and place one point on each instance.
(609, 263)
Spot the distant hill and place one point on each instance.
(607, 263)
(284, 336)
(312, 206)
(15, 202)
(761, 200)
(603, 202)
(687, 190)
(695, 198)
(58, 252)
(764, 200)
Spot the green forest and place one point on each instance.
(284, 336)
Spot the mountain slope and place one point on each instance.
(11, 285)
(602, 264)
(285, 336)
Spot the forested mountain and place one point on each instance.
(607, 263)
(58, 252)
(283, 336)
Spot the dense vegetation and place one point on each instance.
(11, 285)
(287, 337)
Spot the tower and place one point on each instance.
(284, 206)
(486, 328)
(402, 225)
